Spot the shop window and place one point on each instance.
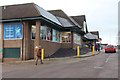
(49, 33)
(77, 39)
(46, 33)
(60, 36)
(66, 37)
(43, 32)
(56, 36)
(33, 31)
(13, 31)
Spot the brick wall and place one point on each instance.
(49, 47)
(66, 45)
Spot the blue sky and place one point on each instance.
(101, 15)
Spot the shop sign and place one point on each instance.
(13, 31)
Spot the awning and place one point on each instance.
(91, 36)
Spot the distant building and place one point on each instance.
(24, 26)
(96, 33)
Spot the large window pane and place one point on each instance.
(77, 38)
(33, 31)
(13, 31)
(66, 36)
(43, 32)
(56, 36)
(49, 33)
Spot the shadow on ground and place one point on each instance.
(68, 52)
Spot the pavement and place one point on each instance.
(89, 54)
(52, 60)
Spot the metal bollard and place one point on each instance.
(42, 54)
(78, 51)
(93, 50)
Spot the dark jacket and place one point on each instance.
(39, 52)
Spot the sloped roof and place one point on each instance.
(74, 22)
(91, 36)
(65, 22)
(61, 14)
(94, 35)
(47, 15)
(95, 32)
(79, 19)
(19, 11)
(28, 10)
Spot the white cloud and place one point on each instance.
(102, 15)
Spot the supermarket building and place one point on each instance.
(24, 26)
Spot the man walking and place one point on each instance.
(38, 55)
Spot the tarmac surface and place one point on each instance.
(101, 65)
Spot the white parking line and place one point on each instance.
(98, 67)
(107, 59)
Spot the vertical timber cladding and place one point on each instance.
(13, 35)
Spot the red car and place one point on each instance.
(110, 48)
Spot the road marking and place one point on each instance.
(107, 59)
(98, 67)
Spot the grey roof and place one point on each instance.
(95, 33)
(79, 19)
(47, 15)
(74, 22)
(62, 14)
(65, 22)
(91, 36)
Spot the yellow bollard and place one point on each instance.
(93, 50)
(42, 54)
(78, 51)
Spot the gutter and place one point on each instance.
(9, 20)
(31, 18)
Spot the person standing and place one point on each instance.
(38, 55)
(96, 47)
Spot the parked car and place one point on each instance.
(110, 48)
